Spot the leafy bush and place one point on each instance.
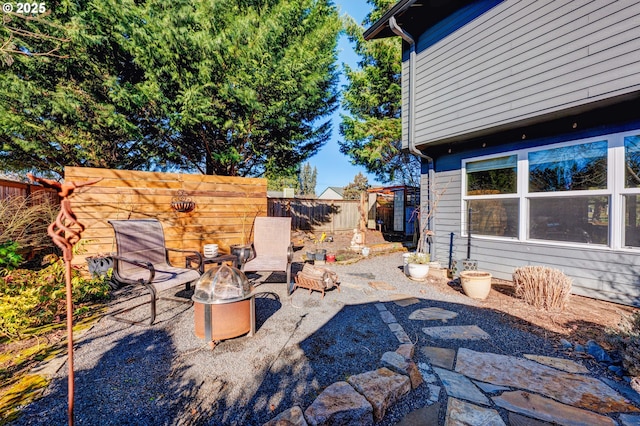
(542, 287)
(626, 339)
(419, 258)
(34, 298)
(9, 256)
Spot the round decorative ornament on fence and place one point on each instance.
(181, 203)
(476, 284)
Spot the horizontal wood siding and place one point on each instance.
(316, 214)
(598, 273)
(224, 212)
(525, 59)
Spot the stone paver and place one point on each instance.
(630, 419)
(490, 388)
(572, 389)
(440, 357)
(464, 413)
(381, 285)
(458, 386)
(395, 297)
(624, 389)
(402, 365)
(339, 404)
(291, 417)
(422, 416)
(406, 350)
(427, 314)
(547, 409)
(559, 363)
(382, 388)
(516, 419)
(434, 393)
(388, 317)
(406, 302)
(459, 332)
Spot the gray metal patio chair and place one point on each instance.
(143, 258)
(272, 250)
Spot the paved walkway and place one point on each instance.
(471, 383)
(472, 387)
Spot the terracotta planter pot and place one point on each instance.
(476, 284)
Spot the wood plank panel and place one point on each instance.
(224, 212)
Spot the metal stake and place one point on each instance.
(65, 232)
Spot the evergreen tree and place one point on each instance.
(70, 95)
(285, 179)
(359, 185)
(372, 132)
(308, 178)
(224, 87)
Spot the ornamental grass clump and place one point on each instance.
(626, 339)
(542, 287)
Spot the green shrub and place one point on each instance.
(9, 256)
(31, 299)
(626, 339)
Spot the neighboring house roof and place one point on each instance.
(332, 192)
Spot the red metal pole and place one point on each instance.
(65, 232)
(71, 378)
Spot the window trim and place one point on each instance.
(615, 191)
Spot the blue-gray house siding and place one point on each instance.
(497, 79)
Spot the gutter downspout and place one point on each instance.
(393, 25)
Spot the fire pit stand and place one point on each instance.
(223, 305)
(223, 320)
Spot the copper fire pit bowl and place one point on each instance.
(224, 305)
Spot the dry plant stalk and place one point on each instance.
(542, 287)
(24, 220)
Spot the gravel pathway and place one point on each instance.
(164, 375)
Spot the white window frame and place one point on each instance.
(615, 191)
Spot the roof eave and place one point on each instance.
(381, 23)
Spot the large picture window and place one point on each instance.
(631, 198)
(571, 168)
(567, 193)
(487, 182)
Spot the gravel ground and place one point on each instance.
(164, 375)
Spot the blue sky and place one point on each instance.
(334, 168)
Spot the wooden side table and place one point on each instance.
(208, 260)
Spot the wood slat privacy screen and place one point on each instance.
(225, 207)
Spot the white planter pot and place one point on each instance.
(418, 271)
(99, 265)
(476, 284)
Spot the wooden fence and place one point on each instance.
(317, 215)
(225, 207)
(36, 193)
